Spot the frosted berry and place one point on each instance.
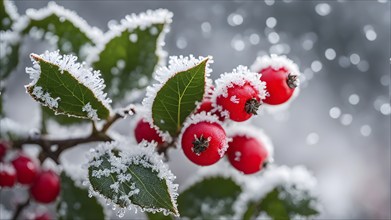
(203, 143)
(46, 187)
(247, 154)
(43, 216)
(241, 102)
(26, 169)
(144, 131)
(3, 150)
(7, 175)
(206, 106)
(280, 84)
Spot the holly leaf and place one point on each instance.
(282, 203)
(9, 57)
(136, 178)
(67, 87)
(74, 202)
(158, 216)
(211, 198)
(131, 51)
(176, 98)
(62, 27)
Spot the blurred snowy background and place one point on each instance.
(339, 126)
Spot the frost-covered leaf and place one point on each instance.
(61, 27)
(129, 52)
(135, 176)
(158, 216)
(211, 198)
(282, 204)
(8, 14)
(9, 52)
(279, 193)
(181, 86)
(74, 202)
(67, 87)
(48, 114)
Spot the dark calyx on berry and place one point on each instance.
(292, 81)
(200, 144)
(252, 106)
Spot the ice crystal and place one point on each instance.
(86, 76)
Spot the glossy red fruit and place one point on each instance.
(242, 102)
(204, 143)
(46, 187)
(206, 106)
(44, 216)
(7, 175)
(280, 85)
(26, 169)
(3, 150)
(247, 154)
(144, 131)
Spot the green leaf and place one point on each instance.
(212, 198)
(131, 52)
(74, 202)
(66, 87)
(48, 114)
(177, 98)
(136, 180)
(282, 203)
(65, 28)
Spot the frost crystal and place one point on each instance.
(130, 23)
(296, 180)
(249, 131)
(86, 76)
(163, 74)
(11, 10)
(91, 113)
(45, 97)
(64, 14)
(203, 117)
(144, 154)
(7, 40)
(239, 76)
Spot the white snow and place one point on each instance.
(86, 76)
(7, 168)
(256, 187)
(11, 9)
(250, 131)
(11, 129)
(91, 113)
(64, 14)
(131, 22)
(163, 74)
(144, 154)
(203, 117)
(239, 76)
(45, 97)
(7, 40)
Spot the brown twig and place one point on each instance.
(63, 144)
(19, 209)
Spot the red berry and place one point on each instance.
(144, 131)
(204, 143)
(26, 169)
(241, 102)
(280, 84)
(7, 175)
(206, 106)
(46, 187)
(44, 216)
(247, 154)
(3, 150)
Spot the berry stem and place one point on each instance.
(200, 144)
(19, 208)
(252, 106)
(292, 81)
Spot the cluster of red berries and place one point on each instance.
(237, 97)
(44, 184)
